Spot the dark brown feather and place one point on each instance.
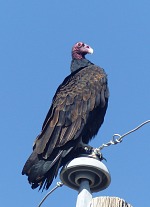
(77, 111)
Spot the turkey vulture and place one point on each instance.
(74, 118)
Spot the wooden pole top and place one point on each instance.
(107, 201)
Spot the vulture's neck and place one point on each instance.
(79, 63)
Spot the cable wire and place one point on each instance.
(115, 141)
(59, 184)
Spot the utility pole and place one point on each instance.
(87, 174)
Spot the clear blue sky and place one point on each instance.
(35, 42)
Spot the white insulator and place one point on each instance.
(88, 168)
(84, 175)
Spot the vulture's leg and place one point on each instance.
(84, 146)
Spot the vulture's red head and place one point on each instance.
(80, 49)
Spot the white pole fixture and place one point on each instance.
(84, 196)
(86, 174)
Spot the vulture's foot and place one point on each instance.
(87, 148)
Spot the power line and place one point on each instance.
(115, 141)
(59, 184)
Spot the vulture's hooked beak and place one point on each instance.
(90, 50)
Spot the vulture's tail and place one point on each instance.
(41, 172)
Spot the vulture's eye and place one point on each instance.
(79, 44)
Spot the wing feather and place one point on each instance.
(72, 104)
(43, 139)
(55, 118)
(52, 142)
